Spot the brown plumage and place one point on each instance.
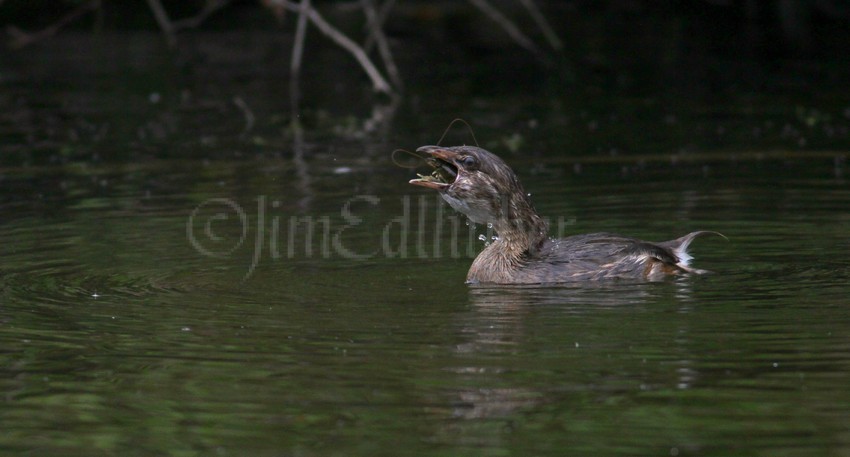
(480, 185)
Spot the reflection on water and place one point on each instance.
(497, 325)
(715, 351)
(596, 294)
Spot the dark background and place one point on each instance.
(637, 76)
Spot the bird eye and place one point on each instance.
(468, 162)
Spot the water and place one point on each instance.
(227, 299)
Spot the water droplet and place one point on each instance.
(482, 237)
(528, 194)
(489, 225)
(494, 238)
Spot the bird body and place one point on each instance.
(480, 185)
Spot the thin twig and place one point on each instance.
(21, 38)
(376, 30)
(506, 24)
(300, 36)
(541, 21)
(164, 22)
(295, 61)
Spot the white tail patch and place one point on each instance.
(679, 246)
(682, 255)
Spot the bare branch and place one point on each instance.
(383, 12)
(21, 39)
(300, 37)
(378, 82)
(297, 54)
(376, 31)
(164, 22)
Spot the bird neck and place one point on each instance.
(520, 229)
